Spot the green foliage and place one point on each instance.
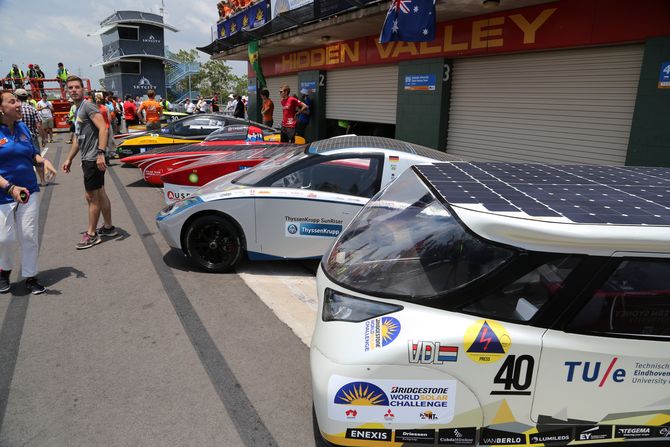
(187, 56)
(218, 77)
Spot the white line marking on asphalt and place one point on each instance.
(288, 291)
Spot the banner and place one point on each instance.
(409, 21)
(254, 16)
(255, 63)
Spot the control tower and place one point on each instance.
(133, 53)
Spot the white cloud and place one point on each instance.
(57, 31)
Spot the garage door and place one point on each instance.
(572, 106)
(273, 85)
(364, 94)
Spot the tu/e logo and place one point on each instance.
(591, 372)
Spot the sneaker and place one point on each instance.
(88, 241)
(4, 281)
(108, 232)
(34, 287)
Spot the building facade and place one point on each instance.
(133, 48)
(568, 81)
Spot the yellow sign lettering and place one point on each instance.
(480, 36)
(384, 50)
(317, 57)
(529, 28)
(346, 51)
(332, 55)
(405, 47)
(449, 44)
(424, 48)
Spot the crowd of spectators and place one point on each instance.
(228, 8)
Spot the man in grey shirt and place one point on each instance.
(91, 140)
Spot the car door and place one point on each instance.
(307, 206)
(607, 372)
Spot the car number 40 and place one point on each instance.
(516, 375)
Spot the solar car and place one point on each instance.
(474, 303)
(186, 179)
(159, 161)
(288, 207)
(192, 129)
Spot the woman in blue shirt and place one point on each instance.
(19, 194)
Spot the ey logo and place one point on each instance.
(592, 371)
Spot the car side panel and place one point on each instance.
(301, 223)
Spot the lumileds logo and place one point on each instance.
(305, 229)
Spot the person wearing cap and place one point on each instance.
(62, 75)
(16, 75)
(29, 115)
(19, 195)
(40, 78)
(46, 109)
(230, 107)
(303, 118)
(291, 106)
(32, 79)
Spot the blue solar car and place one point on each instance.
(499, 304)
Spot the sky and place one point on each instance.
(46, 32)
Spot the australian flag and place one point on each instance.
(409, 21)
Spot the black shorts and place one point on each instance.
(288, 134)
(94, 178)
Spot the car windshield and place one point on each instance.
(271, 165)
(196, 125)
(228, 133)
(406, 244)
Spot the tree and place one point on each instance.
(218, 77)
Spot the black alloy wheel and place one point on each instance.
(213, 244)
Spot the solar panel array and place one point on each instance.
(577, 193)
(355, 141)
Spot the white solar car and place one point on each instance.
(499, 304)
(289, 207)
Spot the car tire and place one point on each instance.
(318, 439)
(213, 243)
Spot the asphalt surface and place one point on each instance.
(131, 347)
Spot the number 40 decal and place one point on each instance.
(516, 374)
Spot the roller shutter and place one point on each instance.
(363, 94)
(273, 85)
(568, 106)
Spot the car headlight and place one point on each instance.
(178, 207)
(338, 306)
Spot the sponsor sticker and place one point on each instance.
(593, 433)
(486, 341)
(457, 436)
(380, 332)
(418, 436)
(417, 402)
(497, 437)
(515, 375)
(634, 431)
(599, 373)
(369, 434)
(311, 226)
(431, 352)
(562, 436)
(3, 141)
